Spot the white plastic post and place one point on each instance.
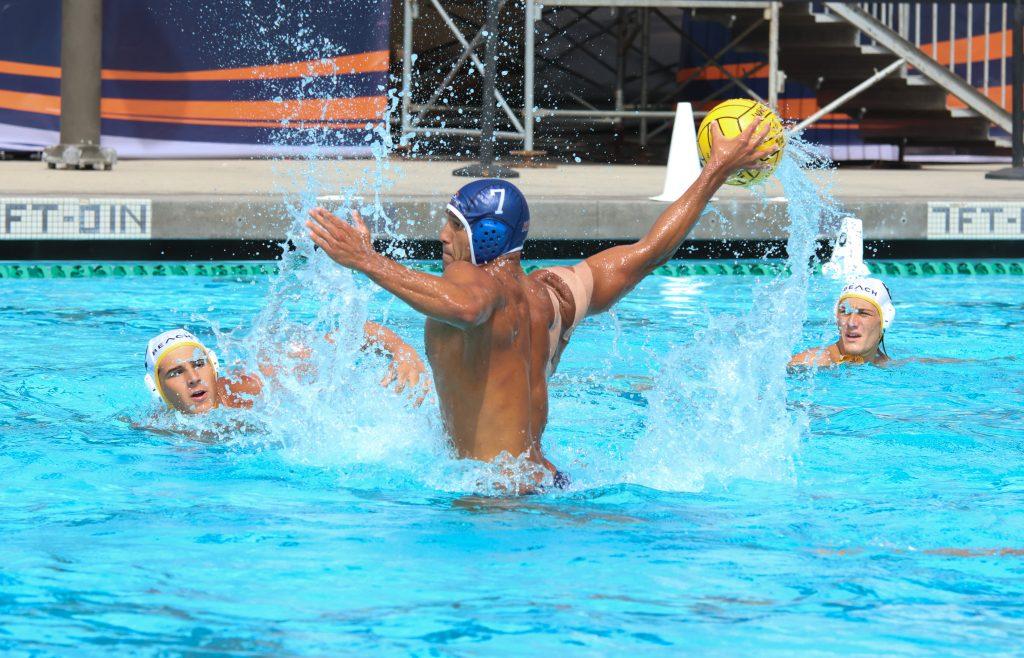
(847, 260)
(683, 161)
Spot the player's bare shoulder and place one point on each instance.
(814, 357)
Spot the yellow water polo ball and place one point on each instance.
(733, 116)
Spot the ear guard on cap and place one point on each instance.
(490, 237)
(888, 314)
(151, 385)
(154, 390)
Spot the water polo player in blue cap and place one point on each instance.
(493, 333)
(494, 215)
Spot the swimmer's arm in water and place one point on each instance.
(406, 368)
(463, 296)
(239, 384)
(816, 356)
(619, 269)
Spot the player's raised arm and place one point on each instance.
(462, 297)
(618, 270)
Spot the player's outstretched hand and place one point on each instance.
(406, 370)
(349, 245)
(745, 151)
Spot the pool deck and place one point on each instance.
(246, 199)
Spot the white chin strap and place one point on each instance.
(155, 391)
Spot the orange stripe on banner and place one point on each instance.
(24, 102)
(31, 70)
(940, 50)
(313, 109)
(308, 110)
(376, 60)
(995, 94)
(715, 73)
(299, 125)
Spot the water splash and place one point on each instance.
(719, 408)
(325, 406)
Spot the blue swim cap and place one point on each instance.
(495, 214)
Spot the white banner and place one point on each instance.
(55, 218)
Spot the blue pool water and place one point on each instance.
(881, 514)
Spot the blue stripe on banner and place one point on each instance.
(30, 119)
(201, 34)
(995, 71)
(342, 86)
(232, 134)
(30, 84)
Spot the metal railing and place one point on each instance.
(919, 22)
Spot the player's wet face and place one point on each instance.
(454, 241)
(860, 327)
(188, 380)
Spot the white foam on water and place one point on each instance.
(325, 406)
(718, 410)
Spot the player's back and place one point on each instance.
(490, 378)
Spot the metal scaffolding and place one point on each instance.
(592, 62)
(553, 21)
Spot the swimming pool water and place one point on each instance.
(897, 528)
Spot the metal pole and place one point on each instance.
(622, 47)
(1016, 172)
(528, 74)
(1018, 84)
(487, 108)
(81, 28)
(970, 47)
(486, 168)
(620, 59)
(988, 40)
(644, 66)
(407, 17)
(773, 56)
